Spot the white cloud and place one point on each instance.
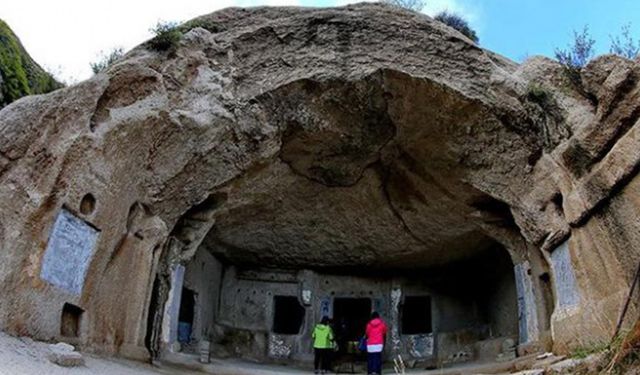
(66, 35)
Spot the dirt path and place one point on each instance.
(23, 356)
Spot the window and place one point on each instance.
(70, 321)
(288, 315)
(416, 315)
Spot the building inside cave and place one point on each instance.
(478, 301)
(468, 310)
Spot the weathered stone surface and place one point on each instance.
(350, 138)
(64, 355)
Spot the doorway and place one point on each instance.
(186, 315)
(350, 316)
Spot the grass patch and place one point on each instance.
(585, 351)
(539, 94)
(167, 36)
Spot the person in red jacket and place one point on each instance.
(376, 333)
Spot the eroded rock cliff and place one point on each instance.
(363, 136)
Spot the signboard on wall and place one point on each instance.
(325, 307)
(69, 251)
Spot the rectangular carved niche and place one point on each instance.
(70, 321)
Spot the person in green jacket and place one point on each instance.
(323, 346)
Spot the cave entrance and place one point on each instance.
(460, 311)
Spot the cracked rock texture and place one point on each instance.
(363, 136)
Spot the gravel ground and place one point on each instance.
(20, 356)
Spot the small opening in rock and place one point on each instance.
(534, 157)
(70, 321)
(288, 315)
(557, 200)
(87, 204)
(416, 315)
(544, 277)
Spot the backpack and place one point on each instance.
(362, 344)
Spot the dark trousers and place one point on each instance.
(322, 360)
(374, 363)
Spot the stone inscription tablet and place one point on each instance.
(565, 281)
(69, 251)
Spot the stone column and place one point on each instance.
(172, 310)
(394, 318)
(527, 311)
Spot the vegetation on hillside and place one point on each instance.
(581, 50)
(459, 23)
(106, 59)
(167, 36)
(624, 44)
(19, 74)
(577, 54)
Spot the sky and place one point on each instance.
(65, 36)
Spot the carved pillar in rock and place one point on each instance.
(527, 311)
(141, 283)
(394, 318)
(172, 310)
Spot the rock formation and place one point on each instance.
(333, 140)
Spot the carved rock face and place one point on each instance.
(363, 136)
